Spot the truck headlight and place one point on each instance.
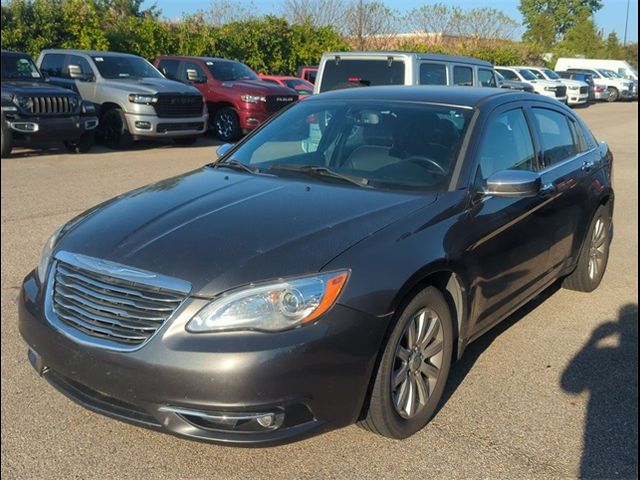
(550, 89)
(272, 307)
(26, 103)
(45, 256)
(144, 99)
(252, 98)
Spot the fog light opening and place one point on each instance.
(240, 422)
(143, 125)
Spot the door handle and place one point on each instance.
(588, 165)
(547, 189)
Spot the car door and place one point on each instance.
(507, 239)
(566, 165)
(86, 86)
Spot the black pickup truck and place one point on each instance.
(34, 110)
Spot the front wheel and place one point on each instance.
(227, 125)
(594, 256)
(114, 130)
(612, 94)
(414, 368)
(7, 139)
(82, 145)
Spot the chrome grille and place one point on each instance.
(109, 308)
(45, 105)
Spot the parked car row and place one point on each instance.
(125, 98)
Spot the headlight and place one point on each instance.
(252, 98)
(88, 107)
(138, 98)
(272, 307)
(74, 102)
(550, 89)
(23, 102)
(45, 256)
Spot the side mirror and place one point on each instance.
(513, 183)
(75, 73)
(222, 150)
(193, 76)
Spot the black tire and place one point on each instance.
(226, 125)
(82, 145)
(185, 140)
(113, 127)
(7, 140)
(384, 415)
(594, 254)
(613, 94)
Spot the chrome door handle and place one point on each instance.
(547, 189)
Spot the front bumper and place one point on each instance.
(51, 127)
(577, 98)
(252, 118)
(151, 126)
(318, 375)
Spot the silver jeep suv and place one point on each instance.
(135, 100)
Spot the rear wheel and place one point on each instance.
(7, 140)
(227, 125)
(414, 368)
(594, 256)
(114, 130)
(82, 145)
(612, 94)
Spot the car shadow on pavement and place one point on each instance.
(607, 369)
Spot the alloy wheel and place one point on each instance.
(418, 360)
(597, 249)
(225, 125)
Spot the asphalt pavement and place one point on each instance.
(552, 392)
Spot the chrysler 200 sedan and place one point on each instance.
(324, 271)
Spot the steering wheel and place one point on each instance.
(427, 163)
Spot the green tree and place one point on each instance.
(541, 33)
(562, 14)
(613, 48)
(582, 39)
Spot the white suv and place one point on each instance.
(543, 87)
(618, 88)
(577, 91)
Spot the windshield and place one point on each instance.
(347, 73)
(608, 74)
(397, 145)
(19, 67)
(228, 71)
(112, 66)
(526, 74)
(551, 74)
(299, 85)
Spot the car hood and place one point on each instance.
(258, 87)
(34, 88)
(149, 86)
(574, 83)
(219, 229)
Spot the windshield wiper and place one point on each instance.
(319, 171)
(235, 165)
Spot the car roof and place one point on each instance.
(469, 97)
(418, 56)
(87, 52)
(193, 57)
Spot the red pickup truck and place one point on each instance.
(238, 101)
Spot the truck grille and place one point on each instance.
(179, 127)
(277, 102)
(109, 308)
(171, 105)
(561, 91)
(584, 90)
(50, 105)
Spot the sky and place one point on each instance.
(610, 18)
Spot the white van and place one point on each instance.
(353, 69)
(621, 67)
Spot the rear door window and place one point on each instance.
(433, 74)
(509, 75)
(486, 78)
(463, 76)
(169, 68)
(558, 140)
(53, 65)
(347, 73)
